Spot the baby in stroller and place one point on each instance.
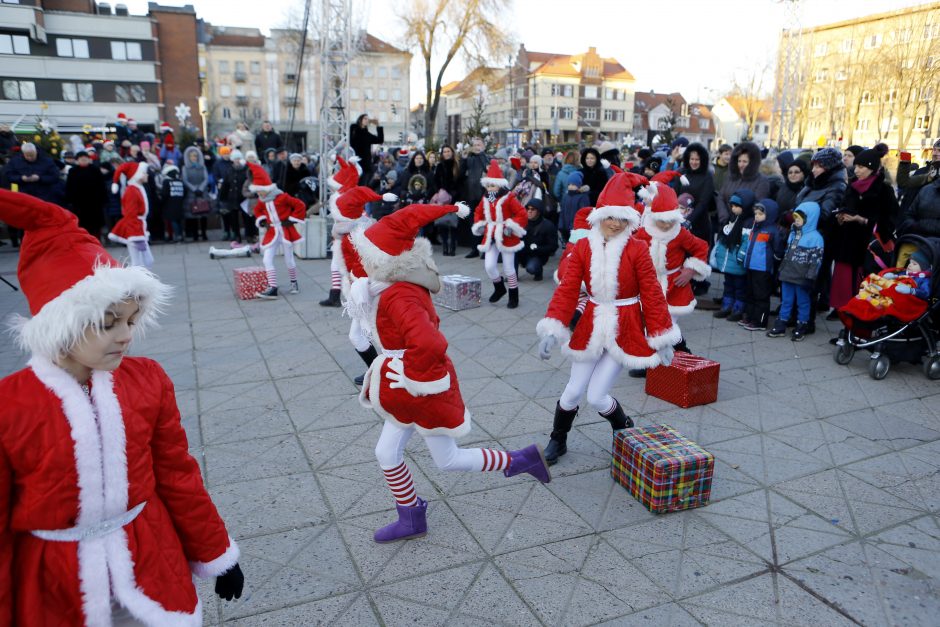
(918, 270)
(899, 293)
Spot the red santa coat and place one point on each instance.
(68, 460)
(407, 329)
(281, 214)
(626, 315)
(493, 220)
(670, 253)
(134, 210)
(350, 263)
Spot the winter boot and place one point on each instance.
(799, 332)
(268, 294)
(779, 329)
(332, 300)
(617, 419)
(574, 320)
(367, 356)
(637, 373)
(513, 297)
(294, 288)
(530, 460)
(558, 444)
(499, 290)
(412, 523)
(473, 254)
(681, 347)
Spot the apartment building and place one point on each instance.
(862, 81)
(656, 113)
(76, 62)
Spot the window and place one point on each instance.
(931, 30)
(862, 125)
(226, 113)
(225, 90)
(873, 41)
(610, 94)
(240, 67)
(590, 113)
(566, 91)
(590, 91)
(383, 72)
(815, 102)
(130, 93)
(353, 93)
(256, 67)
(256, 92)
(354, 70)
(922, 122)
(704, 124)
(396, 71)
(891, 95)
(240, 91)
(367, 71)
(930, 62)
(256, 113)
(77, 48)
(822, 75)
(367, 94)
(821, 49)
(840, 100)
(14, 44)
(19, 90)
(126, 51)
(78, 92)
(223, 67)
(383, 94)
(520, 92)
(847, 45)
(613, 115)
(926, 93)
(842, 75)
(903, 36)
(396, 95)
(866, 97)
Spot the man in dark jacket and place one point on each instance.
(361, 141)
(923, 216)
(267, 138)
(231, 197)
(34, 173)
(472, 169)
(721, 165)
(86, 195)
(540, 241)
(911, 180)
(7, 140)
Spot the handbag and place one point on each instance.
(199, 207)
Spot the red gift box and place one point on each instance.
(690, 380)
(249, 281)
(662, 469)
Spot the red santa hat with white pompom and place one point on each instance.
(130, 171)
(494, 176)
(618, 200)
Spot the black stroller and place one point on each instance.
(890, 340)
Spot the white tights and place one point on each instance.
(596, 376)
(490, 264)
(390, 449)
(271, 251)
(140, 257)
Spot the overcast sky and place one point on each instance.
(692, 46)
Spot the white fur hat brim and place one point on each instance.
(486, 181)
(628, 214)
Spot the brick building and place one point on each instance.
(654, 112)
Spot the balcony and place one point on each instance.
(241, 101)
(291, 102)
(240, 77)
(290, 78)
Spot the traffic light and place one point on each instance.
(401, 137)
(394, 109)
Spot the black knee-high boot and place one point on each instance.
(513, 297)
(681, 347)
(616, 417)
(368, 356)
(558, 444)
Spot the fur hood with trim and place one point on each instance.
(752, 171)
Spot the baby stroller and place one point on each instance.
(890, 339)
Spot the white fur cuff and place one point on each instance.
(555, 328)
(389, 197)
(477, 228)
(514, 227)
(219, 565)
(463, 210)
(702, 270)
(669, 338)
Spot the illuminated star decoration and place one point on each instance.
(182, 112)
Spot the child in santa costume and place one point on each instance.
(348, 211)
(278, 212)
(580, 229)
(131, 229)
(104, 517)
(501, 219)
(616, 331)
(678, 256)
(345, 178)
(412, 384)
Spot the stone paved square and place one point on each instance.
(824, 508)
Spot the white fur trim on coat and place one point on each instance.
(668, 338)
(493, 181)
(673, 215)
(514, 227)
(262, 189)
(682, 310)
(477, 228)
(554, 328)
(220, 565)
(598, 214)
(702, 270)
(382, 266)
(62, 321)
(101, 466)
(389, 197)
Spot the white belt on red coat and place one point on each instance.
(376, 366)
(673, 270)
(88, 532)
(623, 302)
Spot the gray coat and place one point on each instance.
(195, 179)
(828, 190)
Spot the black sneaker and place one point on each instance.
(722, 313)
(294, 288)
(799, 333)
(268, 294)
(779, 329)
(736, 317)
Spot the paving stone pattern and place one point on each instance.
(824, 507)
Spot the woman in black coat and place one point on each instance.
(595, 176)
(794, 179)
(702, 188)
(868, 206)
(361, 141)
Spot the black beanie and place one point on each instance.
(870, 159)
(855, 150)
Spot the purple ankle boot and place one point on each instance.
(411, 523)
(530, 460)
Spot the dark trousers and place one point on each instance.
(533, 263)
(230, 223)
(734, 297)
(196, 227)
(448, 235)
(760, 285)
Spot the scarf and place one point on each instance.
(361, 304)
(863, 185)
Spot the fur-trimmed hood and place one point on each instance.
(753, 152)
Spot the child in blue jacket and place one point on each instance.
(725, 256)
(766, 246)
(798, 271)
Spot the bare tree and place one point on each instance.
(749, 96)
(442, 29)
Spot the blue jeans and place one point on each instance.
(791, 292)
(734, 297)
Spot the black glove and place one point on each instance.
(229, 584)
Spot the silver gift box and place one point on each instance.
(458, 292)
